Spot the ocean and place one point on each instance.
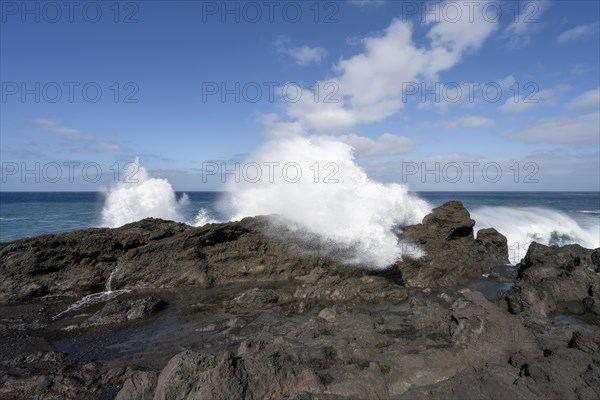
(547, 217)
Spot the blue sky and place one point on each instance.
(161, 68)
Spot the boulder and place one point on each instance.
(552, 279)
(118, 311)
(451, 254)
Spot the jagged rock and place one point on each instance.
(139, 385)
(493, 244)
(446, 222)
(344, 353)
(117, 311)
(552, 278)
(156, 253)
(451, 254)
(227, 376)
(277, 322)
(584, 343)
(51, 375)
(257, 297)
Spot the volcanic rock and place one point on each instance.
(556, 279)
(451, 254)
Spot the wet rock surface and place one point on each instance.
(228, 312)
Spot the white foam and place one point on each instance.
(345, 207)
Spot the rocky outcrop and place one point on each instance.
(158, 254)
(253, 315)
(451, 254)
(321, 357)
(555, 279)
(148, 253)
(51, 375)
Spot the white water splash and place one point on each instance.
(330, 197)
(146, 197)
(202, 218)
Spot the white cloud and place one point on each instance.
(507, 82)
(518, 33)
(385, 145)
(274, 127)
(533, 98)
(582, 129)
(90, 143)
(577, 32)
(53, 126)
(589, 99)
(469, 121)
(370, 84)
(302, 55)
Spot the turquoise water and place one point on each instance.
(24, 214)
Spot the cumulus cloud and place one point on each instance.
(578, 130)
(577, 32)
(589, 99)
(302, 55)
(370, 84)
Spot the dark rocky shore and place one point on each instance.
(246, 310)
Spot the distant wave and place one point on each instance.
(523, 225)
(589, 211)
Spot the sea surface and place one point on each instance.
(548, 217)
